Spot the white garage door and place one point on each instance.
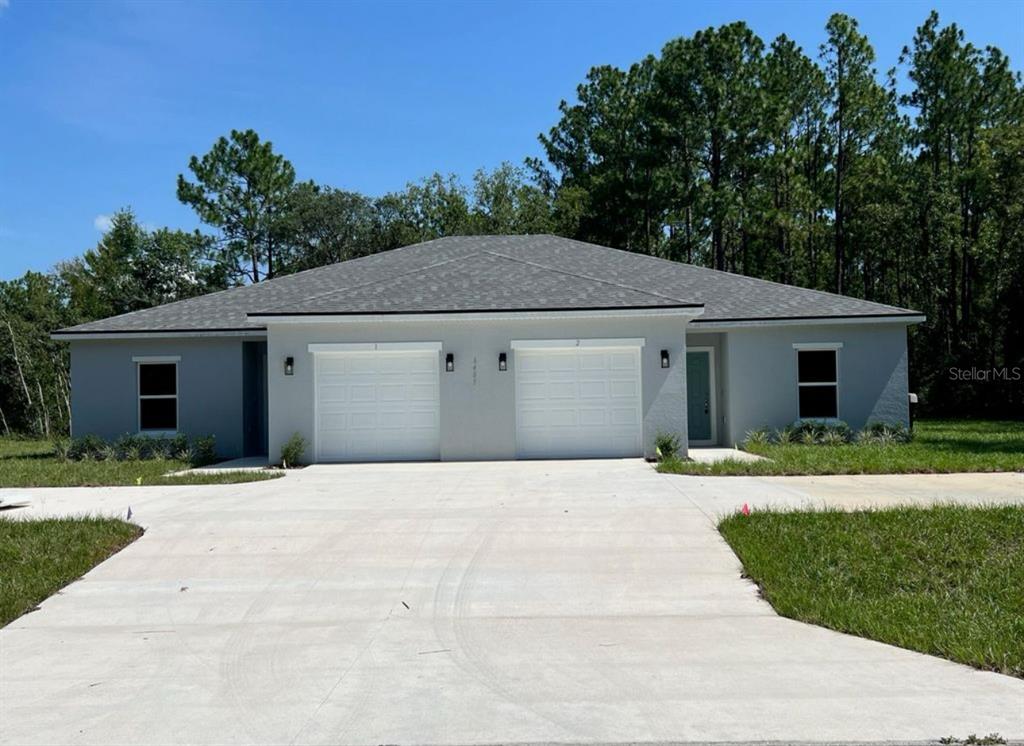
(578, 402)
(377, 405)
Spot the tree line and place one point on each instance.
(806, 168)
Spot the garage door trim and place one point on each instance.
(374, 347)
(545, 344)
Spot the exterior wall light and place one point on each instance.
(449, 362)
(664, 358)
(502, 361)
(289, 366)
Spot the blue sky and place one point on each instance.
(101, 104)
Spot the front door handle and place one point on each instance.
(707, 405)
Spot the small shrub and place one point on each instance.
(816, 432)
(786, 436)
(885, 433)
(666, 446)
(61, 448)
(292, 451)
(86, 448)
(833, 438)
(204, 450)
(758, 437)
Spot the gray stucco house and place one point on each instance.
(490, 347)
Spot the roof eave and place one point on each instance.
(688, 311)
(819, 319)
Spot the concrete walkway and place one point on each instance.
(455, 603)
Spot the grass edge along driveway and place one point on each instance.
(945, 580)
(39, 557)
(938, 447)
(30, 462)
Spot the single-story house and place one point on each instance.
(490, 347)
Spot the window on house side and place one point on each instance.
(158, 396)
(818, 384)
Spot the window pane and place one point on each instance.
(157, 379)
(158, 414)
(818, 401)
(817, 366)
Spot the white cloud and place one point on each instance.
(102, 223)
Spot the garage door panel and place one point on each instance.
(378, 406)
(621, 361)
(623, 389)
(578, 403)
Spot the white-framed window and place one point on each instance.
(817, 379)
(157, 381)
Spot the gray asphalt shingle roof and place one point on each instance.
(494, 273)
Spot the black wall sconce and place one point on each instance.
(502, 361)
(664, 358)
(289, 366)
(449, 363)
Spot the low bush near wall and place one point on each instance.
(198, 451)
(814, 433)
(666, 446)
(293, 451)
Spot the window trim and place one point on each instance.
(141, 360)
(833, 347)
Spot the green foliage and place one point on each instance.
(241, 188)
(758, 437)
(938, 446)
(197, 452)
(666, 445)
(943, 580)
(27, 462)
(292, 451)
(133, 268)
(40, 557)
(762, 161)
(885, 433)
(814, 432)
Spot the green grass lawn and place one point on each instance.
(31, 463)
(945, 580)
(39, 557)
(939, 446)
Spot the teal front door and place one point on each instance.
(698, 395)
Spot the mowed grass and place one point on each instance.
(39, 557)
(939, 446)
(945, 580)
(31, 463)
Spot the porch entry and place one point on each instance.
(700, 396)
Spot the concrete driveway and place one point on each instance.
(454, 603)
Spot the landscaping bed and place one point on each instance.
(39, 557)
(937, 446)
(37, 463)
(945, 580)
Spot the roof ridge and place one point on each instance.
(701, 268)
(588, 277)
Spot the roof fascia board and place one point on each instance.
(712, 325)
(688, 312)
(176, 334)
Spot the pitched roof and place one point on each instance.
(494, 273)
